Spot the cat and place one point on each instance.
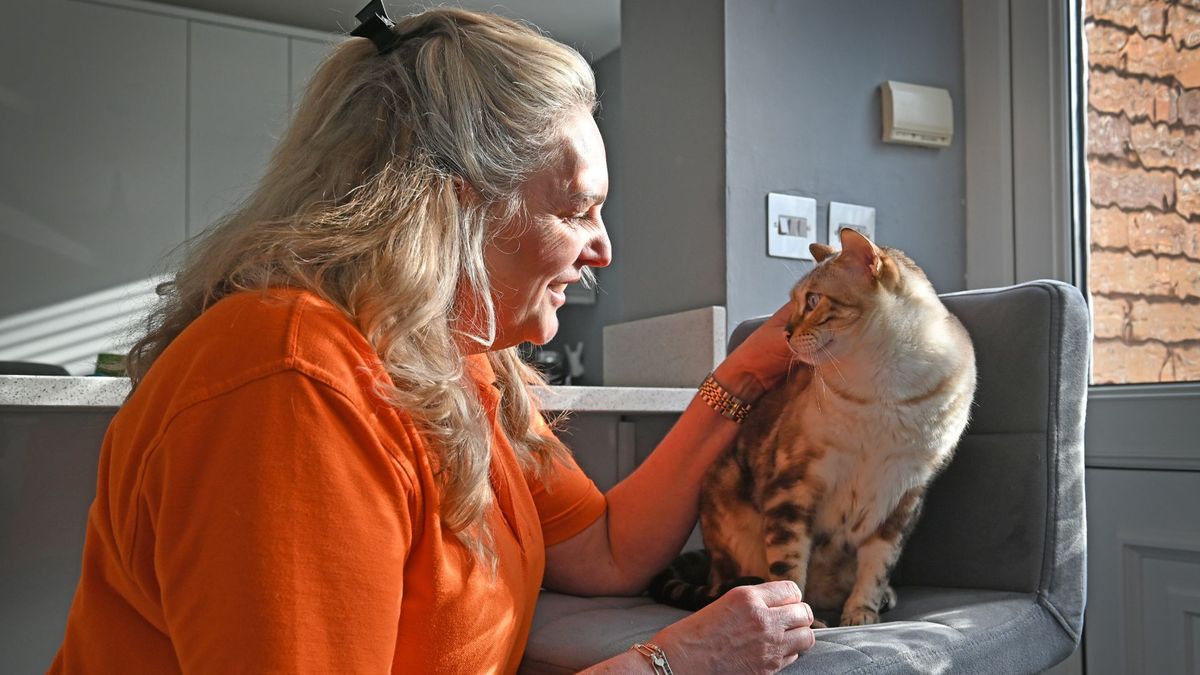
(828, 473)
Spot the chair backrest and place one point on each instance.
(1008, 512)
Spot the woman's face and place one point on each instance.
(532, 259)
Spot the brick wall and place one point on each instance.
(1143, 155)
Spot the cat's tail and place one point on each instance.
(684, 584)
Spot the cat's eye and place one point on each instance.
(812, 300)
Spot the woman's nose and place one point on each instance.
(597, 250)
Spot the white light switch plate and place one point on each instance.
(861, 218)
(791, 225)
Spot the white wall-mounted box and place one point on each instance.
(914, 114)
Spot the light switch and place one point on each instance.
(794, 226)
(791, 224)
(853, 216)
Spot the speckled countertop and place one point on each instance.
(27, 391)
(36, 391)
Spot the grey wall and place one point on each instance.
(710, 105)
(585, 323)
(673, 155)
(803, 115)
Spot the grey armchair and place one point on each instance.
(992, 580)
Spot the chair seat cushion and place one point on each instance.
(932, 630)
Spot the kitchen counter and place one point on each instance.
(99, 393)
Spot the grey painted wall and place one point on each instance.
(712, 104)
(585, 323)
(803, 115)
(673, 155)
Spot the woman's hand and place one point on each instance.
(750, 629)
(760, 361)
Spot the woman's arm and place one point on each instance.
(651, 512)
(280, 530)
(751, 629)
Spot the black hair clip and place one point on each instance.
(375, 25)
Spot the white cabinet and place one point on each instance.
(125, 128)
(238, 92)
(305, 56)
(243, 85)
(92, 158)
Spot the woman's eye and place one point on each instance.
(813, 299)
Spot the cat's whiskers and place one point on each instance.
(833, 362)
(792, 362)
(823, 390)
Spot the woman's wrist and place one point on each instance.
(743, 384)
(672, 650)
(655, 656)
(628, 661)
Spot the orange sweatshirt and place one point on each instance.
(258, 510)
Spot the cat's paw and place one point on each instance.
(889, 600)
(859, 617)
(817, 623)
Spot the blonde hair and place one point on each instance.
(379, 198)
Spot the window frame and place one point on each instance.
(1023, 93)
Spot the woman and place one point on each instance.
(330, 460)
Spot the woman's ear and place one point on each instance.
(860, 252)
(464, 191)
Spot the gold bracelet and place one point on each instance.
(718, 398)
(658, 660)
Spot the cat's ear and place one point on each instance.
(860, 252)
(820, 251)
